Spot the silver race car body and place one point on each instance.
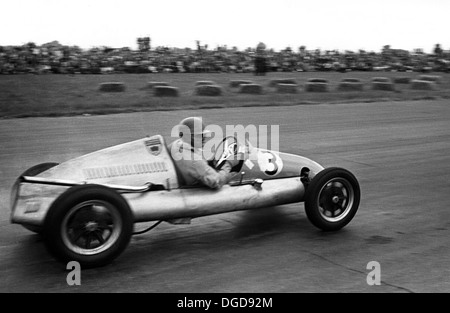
(139, 181)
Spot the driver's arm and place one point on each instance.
(209, 176)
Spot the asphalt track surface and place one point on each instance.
(399, 151)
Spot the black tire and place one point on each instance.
(332, 199)
(90, 224)
(32, 171)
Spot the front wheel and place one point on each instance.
(332, 199)
(90, 224)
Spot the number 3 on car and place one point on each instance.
(269, 163)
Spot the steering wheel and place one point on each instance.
(227, 148)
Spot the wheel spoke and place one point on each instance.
(332, 209)
(78, 235)
(323, 199)
(88, 241)
(99, 237)
(105, 225)
(336, 208)
(338, 185)
(77, 226)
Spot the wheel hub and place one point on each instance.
(91, 226)
(332, 200)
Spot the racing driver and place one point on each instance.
(188, 156)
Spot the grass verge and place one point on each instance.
(67, 95)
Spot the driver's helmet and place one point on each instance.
(193, 126)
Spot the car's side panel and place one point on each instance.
(195, 202)
(174, 203)
(134, 163)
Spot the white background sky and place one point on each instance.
(324, 24)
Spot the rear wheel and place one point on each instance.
(332, 199)
(90, 224)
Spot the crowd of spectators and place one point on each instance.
(54, 57)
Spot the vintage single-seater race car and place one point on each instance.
(86, 207)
